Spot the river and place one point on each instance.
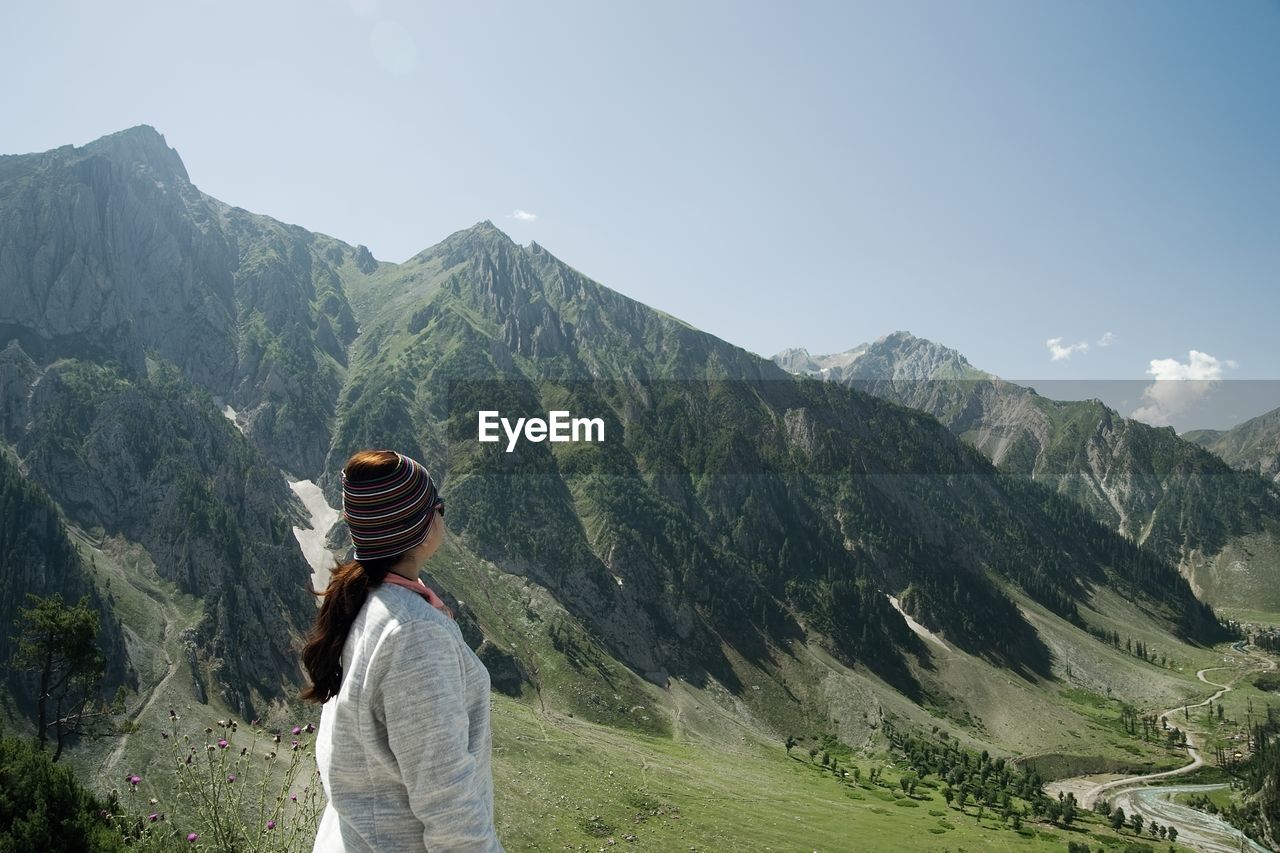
(1196, 829)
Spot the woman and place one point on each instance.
(404, 740)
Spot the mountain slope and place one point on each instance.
(1251, 446)
(210, 511)
(1159, 490)
(685, 525)
(39, 560)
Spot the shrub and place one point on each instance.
(44, 807)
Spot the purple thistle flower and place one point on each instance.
(293, 797)
(310, 728)
(271, 824)
(134, 780)
(153, 817)
(297, 744)
(222, 743)
(192, 837)
(297, 730)
(231, 778)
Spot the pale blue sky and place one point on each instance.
(990, 175)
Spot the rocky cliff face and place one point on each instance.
(108, 252)
(150, 459)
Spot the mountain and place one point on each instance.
(131, 303)
(110, 253)
(1220, 525)
(746, 551)
(731, 454)
(1251, 446)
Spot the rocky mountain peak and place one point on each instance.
(902, 355)
(796, 360)
(142, 145)
(483, 238)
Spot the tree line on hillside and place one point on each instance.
(1258, 774)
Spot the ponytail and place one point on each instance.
(348, 588)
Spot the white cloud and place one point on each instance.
(1058, 352)
(1178, 386)
(1106, 340)
(523, 215)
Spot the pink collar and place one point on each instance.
(421, 589)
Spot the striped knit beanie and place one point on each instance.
(390, 514)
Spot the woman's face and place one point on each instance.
(415, 559)
(434, 536)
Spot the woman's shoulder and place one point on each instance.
(400, 606)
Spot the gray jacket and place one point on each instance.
(403, 749)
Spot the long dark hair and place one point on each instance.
(345, 594)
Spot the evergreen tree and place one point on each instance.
(59, 645)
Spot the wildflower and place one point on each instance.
(208, 730)
(153, 817)
(293, 797)
(222, 724)
(222, 743)
(134, 780)
(271, 824)
(276, 738)
(297, 744)
(297, 730)
(192, 837)
(310, 728)
(231, 777)
(152, 801)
